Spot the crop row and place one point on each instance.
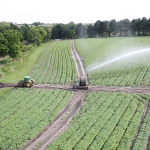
(55, 65)
(25, 112)
(105, 121)
(133, 70)
(144, 132)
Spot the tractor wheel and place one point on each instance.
(28, 84)
(20, 84)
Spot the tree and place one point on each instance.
(60, 31)
(144, 25)
(37, 23)
(14, 27)
(48, 36)
(24, 30)
(4, 26)
(71, 25)
(72, 34)
(36, 35)
(113, 27)
(80, 30)
(90, 31)
(100, 27)
(13, 43)
(3, 46)
(126, 26)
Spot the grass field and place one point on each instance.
(24, 67)
(128, 71)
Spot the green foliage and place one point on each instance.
(28, 48)
(14, 70)
(72, 34)
(60, 31)
(27, 105)
(143, 136)
(48, 36)
(128, 71)
(105, 121)
(10, 43)
(80, 30)
(36, 35)
(90, 31)
(4, 91)
(3, 46)
(55, 66)
(24, 30)
(4, 26)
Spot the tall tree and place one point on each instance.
(48, 36)
(4, 26)
(143, 25)
(3, 46)
(100, 27)
(60, 31)
(80, 30)
(14, 44)
(24, 30)
(36, 35)
(91, 31)
(113, 27)
(126, 26)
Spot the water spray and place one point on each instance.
(129, 54)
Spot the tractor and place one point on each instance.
(26, 82)
(81, 83)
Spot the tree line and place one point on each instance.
(113, 28)
(16, 39)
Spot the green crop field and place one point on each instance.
(55, 65)
(132, 70)
(25, 112)
(96, 120)
(105, 121)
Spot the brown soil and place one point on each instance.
(135, 90)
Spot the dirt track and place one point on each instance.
(58, 125)
(135, 90)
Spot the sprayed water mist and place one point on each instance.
(121, 57)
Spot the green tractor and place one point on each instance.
(26, 82)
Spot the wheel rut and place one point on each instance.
(58, 125)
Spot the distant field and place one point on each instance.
(46, 25)
(128, 71)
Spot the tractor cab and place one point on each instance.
(27, 78)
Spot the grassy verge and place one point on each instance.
(20, 68)
(4, 91)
